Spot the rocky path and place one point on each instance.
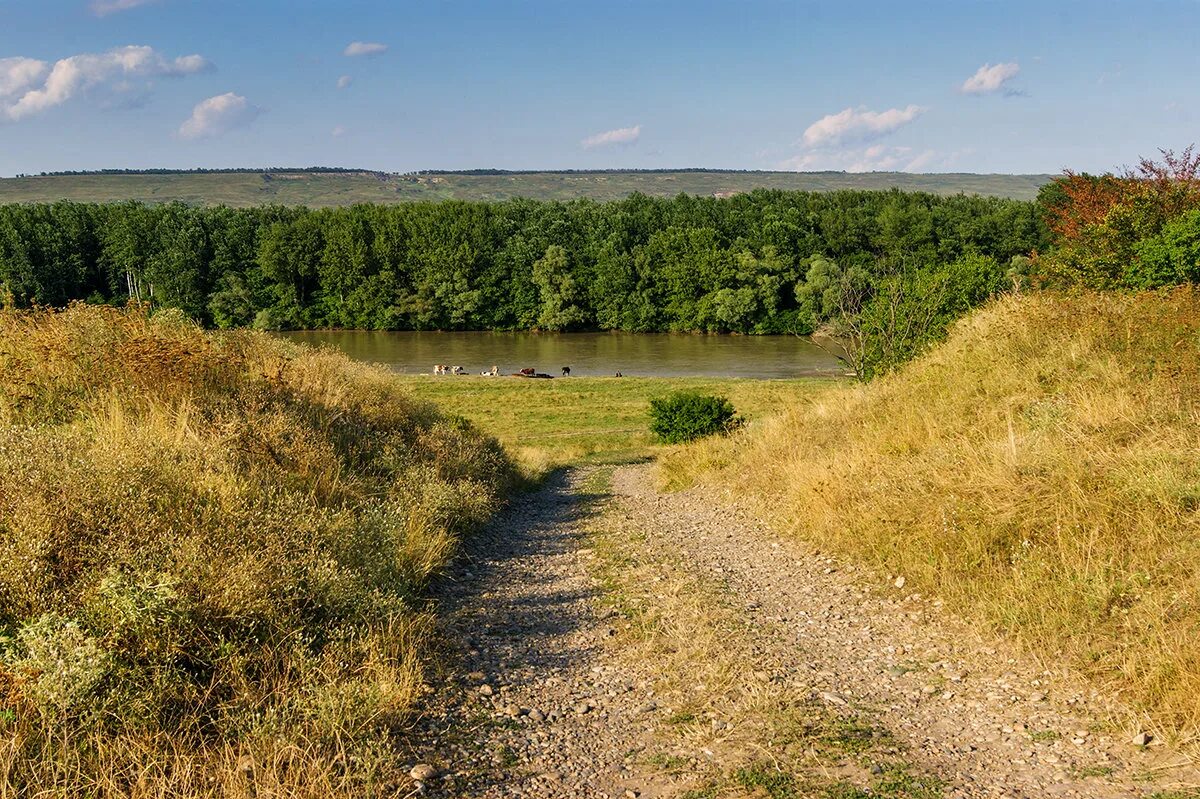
(534, 705)
(555, 690)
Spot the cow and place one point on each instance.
(495, 370)
(566, 371)
(458, 370)
(440, 369)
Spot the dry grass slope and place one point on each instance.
(211, 548)
(1039, 470)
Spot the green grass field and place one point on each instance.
(337, 189)
(550, 423)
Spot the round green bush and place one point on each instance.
(687, 415)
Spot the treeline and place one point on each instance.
(764, 262)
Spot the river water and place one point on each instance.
(588, 354)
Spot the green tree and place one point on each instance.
(559, 293)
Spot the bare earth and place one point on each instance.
(605, 640)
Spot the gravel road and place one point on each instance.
(536, 699)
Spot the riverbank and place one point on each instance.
(574, 420)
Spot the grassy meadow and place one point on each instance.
(1038, 470)
(214, 552)
(552, 423)
(333, 189)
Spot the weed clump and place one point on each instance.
(686, 416)
(213, 548)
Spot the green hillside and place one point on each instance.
(325, 189)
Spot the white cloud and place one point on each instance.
(344, 81)
(610, 137)
(364, 48)
(990, 78)
(102, 8)
(876, 158)
(19, 75)
(31, 87)
(338, 132)
(218, 115)
(858, 124)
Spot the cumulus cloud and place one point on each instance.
(338, 132)
(858, 124)
(344, 81)
(102, 8)
(19, 75)
(29, 87)
(218, 115)
(611, 137)
(990, 78)
(876, 158)
(364, 48)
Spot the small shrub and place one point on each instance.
(686, 416)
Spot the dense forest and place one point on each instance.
(763, 262)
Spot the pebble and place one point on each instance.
(422, 772)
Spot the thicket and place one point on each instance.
(213, 547)
(1136, 229)
(764, 262)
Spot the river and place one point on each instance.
(587, 354)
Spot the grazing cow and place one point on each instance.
(529, 372)
(619, 374)
(566, 371)
(440, 369)
(458, 370)
(495, 370)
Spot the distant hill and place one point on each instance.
(326, 187)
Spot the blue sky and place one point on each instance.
(967, 85)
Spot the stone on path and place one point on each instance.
(422, 772)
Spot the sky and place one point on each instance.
(856, 85)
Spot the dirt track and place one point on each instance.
(550, 692)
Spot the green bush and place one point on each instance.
(686, 416)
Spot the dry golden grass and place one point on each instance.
(1039, 470)
(211, 548)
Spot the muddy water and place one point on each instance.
(588, 354)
